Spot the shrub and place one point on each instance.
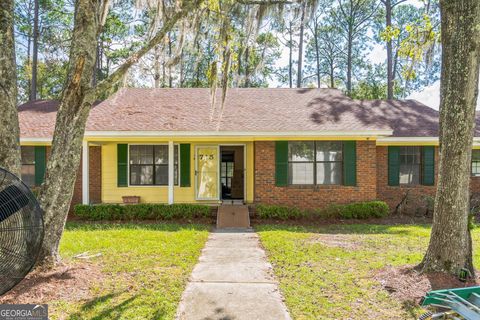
(279, 212)
(359, 210)
(141, 211)
(364, 210)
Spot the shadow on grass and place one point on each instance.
(113, 311)
(153, 226)
(91, 304)
(396, 229)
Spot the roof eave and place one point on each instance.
(399, 141)
(36, 140)
(259, 134)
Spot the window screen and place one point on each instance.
(410, 164)
(149, 164)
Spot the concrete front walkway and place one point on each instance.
(233, 281)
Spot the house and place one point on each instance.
(297, 147)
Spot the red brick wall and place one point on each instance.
(309, 197)
(393, 195)
(95, 175)
(475, 184)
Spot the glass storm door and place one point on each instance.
(207, 173)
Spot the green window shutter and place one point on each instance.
(350, 163)
(122, 165)
(393, 166)
(185, 165)
(281, 163)
(40, 164)
(428, 166)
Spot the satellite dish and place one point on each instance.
(21, 230)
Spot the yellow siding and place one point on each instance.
(159, 194)
(33, 143)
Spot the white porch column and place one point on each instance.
(85, 174)
(171, 171)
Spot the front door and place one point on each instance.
(232, 173)
(207, 173)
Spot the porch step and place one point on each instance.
(233, 216)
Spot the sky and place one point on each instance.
(429, 96)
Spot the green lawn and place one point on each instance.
(326, 272)
(146, 267)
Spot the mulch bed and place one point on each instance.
(390, 220)
(67, 282)
(408, 285)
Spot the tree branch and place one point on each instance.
(116, 76)
(397, 3)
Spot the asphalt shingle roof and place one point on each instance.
(245, 110)
(407, 118)
(37, 118)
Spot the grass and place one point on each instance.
(322, 280)
(146, 267)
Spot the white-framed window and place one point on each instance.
(315, 162)
(410, 165)
(149, 165)
(476, 162)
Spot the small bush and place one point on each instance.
(141, 211)
(279, 212)
(359, 210)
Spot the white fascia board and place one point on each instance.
(36, 140)
(408, 139)
(419, 140)
(363, 133)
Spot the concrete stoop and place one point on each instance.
(233, 216)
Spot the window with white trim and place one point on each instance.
(315, 162)
(410, 165)
(476, 163)
(149, 165)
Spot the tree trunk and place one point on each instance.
(181, 71)
(388, 10)
(164, 74)
(197, 65)
(349, 62)
(317, 51)
(33, 90)
(290, 56)
(29, 80)
(300, 46)
(9, 129)
(77, 98)
(170, 80)
(449, 249)
(247, 67)
(96, 72)
(156, 67)
(332, 77)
